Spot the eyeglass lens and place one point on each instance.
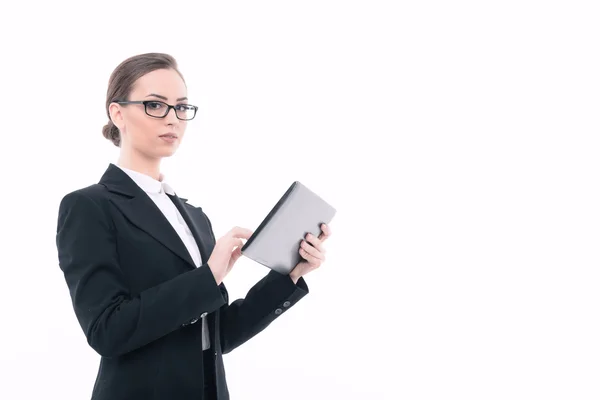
(160, 109)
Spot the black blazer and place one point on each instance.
(138, 295)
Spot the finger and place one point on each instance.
(236, 245)
(313, 261)
(325, 232)
(231, 242)
(237, 253)
(312, 251)
(239, 232)
(316, 242)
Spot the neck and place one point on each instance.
(140, 163)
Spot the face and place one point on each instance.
(143, 134)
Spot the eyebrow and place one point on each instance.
(164, 98)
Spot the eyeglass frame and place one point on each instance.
(169, 106)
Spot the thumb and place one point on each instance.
(237, 253)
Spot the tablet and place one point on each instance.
(276, 241)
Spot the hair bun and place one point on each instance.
(111, 132)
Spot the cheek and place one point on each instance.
(144, 127)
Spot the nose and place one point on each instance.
(171, 117)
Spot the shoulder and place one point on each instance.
(87, 203)
(94, 193)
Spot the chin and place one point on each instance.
(168, 153)
(156, 154)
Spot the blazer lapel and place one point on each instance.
(202, 238)
(135, 204)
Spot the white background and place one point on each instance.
(457, 140)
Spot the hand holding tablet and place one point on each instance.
(276, 243)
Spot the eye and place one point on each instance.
(155, 105)
(183, 107)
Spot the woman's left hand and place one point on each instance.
(313, 252)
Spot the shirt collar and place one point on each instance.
(149, 184)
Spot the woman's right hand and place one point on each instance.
(223, 255)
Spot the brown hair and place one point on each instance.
(122, 79)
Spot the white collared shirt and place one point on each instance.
(157, 191)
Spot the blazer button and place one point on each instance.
(286, 304)
(278, 311)
(203, 315)
(194, 320)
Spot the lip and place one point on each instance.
(170, 138)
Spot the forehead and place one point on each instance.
(165, 82)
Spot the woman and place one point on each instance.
(143, 267)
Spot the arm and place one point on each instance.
(294, 276)
(114, 320)
(244, 318)
(265, 301)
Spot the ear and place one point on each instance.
(116, 115)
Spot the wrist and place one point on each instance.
(217, 279)
(294, 278)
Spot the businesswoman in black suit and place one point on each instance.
(143, 267)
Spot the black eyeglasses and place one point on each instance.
(159, 109)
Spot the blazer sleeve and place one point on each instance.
(114, 320)
(268, 299)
